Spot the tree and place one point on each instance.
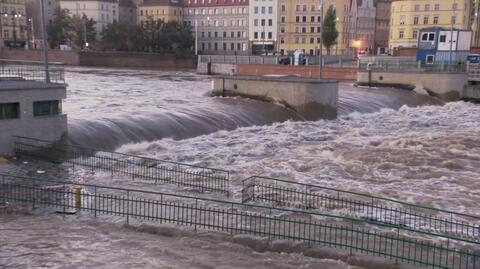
(150, 36)
(83, 30)
(330, 32)
(60, 30)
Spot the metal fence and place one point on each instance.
(24, 71)
(413, 66)
(291, 194)
(234, 218)
(152, 170)
(235, 59)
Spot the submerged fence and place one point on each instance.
(238, 218)
(153, 170)
(285, 193)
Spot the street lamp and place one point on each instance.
(320, 54)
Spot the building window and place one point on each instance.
(443, 38)
(435, 20)
(417, 7)
(430, 59)
(415, 34)
(415, 20)
(46, 108)
(437, 7)
(9, 111)
(401, 34)
(425, 20)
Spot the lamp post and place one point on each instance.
(45, 42)
(320, 53)
(451, 34)
(196, 37)
(32, 32)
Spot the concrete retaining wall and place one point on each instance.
(51, 128)
(216, 68)
(101, 59)
(312, 98)
(447, 86)
(56, 56)
(140, 60)
(472, 92)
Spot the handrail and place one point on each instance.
(121, 154)
(260, 207)
(366, 195)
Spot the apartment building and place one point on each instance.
(300, 24)
(103, 12)
(361, 30)
(14, 28)
(165, 10)
(263, 26)
(408, 17)
(382, 26)
(220, 25)
(127, 11)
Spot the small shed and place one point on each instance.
(437, 45)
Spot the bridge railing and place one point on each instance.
(237, 218)
(284, 193)
(149, 169)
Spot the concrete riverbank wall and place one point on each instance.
(313, 99)
(31, 112)
(448, 86)
(472, 92)
(103, 59)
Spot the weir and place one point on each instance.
(312, 98)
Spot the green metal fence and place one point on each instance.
(238, 218)
(291, 194)
(152, 170)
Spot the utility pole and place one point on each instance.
(451, 35)
(45, 42)
(196, 37)
(320, 54)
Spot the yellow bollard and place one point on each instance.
(78, 197)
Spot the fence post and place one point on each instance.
(128, 207)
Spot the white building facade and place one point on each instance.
(263, 26)
(103, 12)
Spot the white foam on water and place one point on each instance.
(428, 155)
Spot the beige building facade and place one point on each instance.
(409, 16)
(13, 25)
(165, 10)
(300, 24)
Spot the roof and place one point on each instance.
(191, 3)
(442, 29)
(148, 3)
(126, 3)
(110, 1)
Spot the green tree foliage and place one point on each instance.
(150, 36)
(83, 28)
(60, 30)
(330, 33)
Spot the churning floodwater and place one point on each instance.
(110, 107)
(387, 142)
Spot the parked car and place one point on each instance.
(284, 60)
